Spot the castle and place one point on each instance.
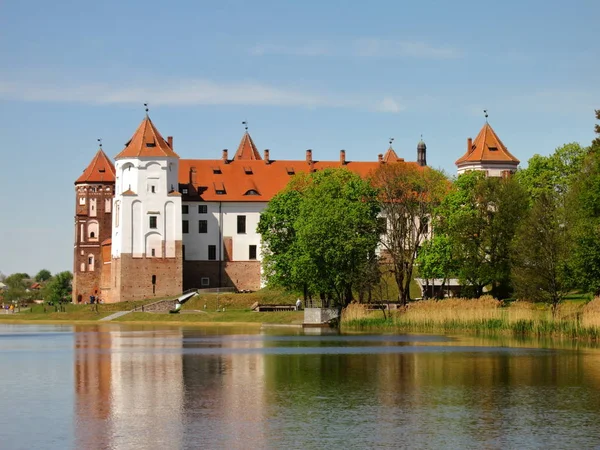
(154, 225)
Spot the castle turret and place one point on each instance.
(146, 239)
(94, 191)
(487, 153)
(421, 153)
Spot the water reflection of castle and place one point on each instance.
(150, 389)
(175, 389)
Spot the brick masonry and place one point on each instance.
(131, 278)
(87, 282)
(242, 275)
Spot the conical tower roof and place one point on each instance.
(100, 170)
(146, 141)
(247, 150)
(391, 156)
(487, 147)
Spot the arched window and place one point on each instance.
(252, 192)
(91, 262)
(93, 230)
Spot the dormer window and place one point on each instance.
(101, 170)
(219, 188)
(252, 192)
(290, 170)
(248, 170)
(217, 170)
(493, 149)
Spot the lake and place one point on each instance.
(153, 387)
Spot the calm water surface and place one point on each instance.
(145, 387)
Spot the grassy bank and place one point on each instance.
(485, 315)
(199, 310)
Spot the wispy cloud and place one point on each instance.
(188, 92)
(362, 48)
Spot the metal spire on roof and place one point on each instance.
(486, 115)
(391, 140)
(100, 141)
(245, 123)
(146, 106)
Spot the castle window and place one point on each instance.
(93, 230)
(185, 227)
(252, 252)
(153, 189)
(202, 226)
(205, 281)
(212, 252)
(184, 209)
(91, 263)
(202, 209)
(82, 200)
(153, 252)
(107, 205)
(219, 187)
(241, 224)
(153, 222)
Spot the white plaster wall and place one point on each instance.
(494, 170)
(131, 224)
(196, 244)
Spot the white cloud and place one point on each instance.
(388, 104)
(383, 48)
(362, 48)
(187, 92)
(311, 49)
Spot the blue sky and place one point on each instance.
(325, 75)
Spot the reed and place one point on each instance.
(483, 315)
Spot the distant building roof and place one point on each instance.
(487, 147)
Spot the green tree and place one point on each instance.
(553, 173)
(596, 142)
(583, 204)
(58, 288)
(540, 253)
(435, 259)
(43, 275)
(320, 233)
(17, 284)
(409, 197)
(479, 218)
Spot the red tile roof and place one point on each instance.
(391, 156)
(487, 147)
(251, 180)
(100, 170)
(146, 141)
(247, 150)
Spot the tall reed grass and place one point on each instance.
(483, 315)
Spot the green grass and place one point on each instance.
(233, 316)
(240, 301)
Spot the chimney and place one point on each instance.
(224, 157)
(193, 179)
(170, 141)
(342, 157)
(469, 145)
(380, 157)
(266, 158)
(309, 156)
